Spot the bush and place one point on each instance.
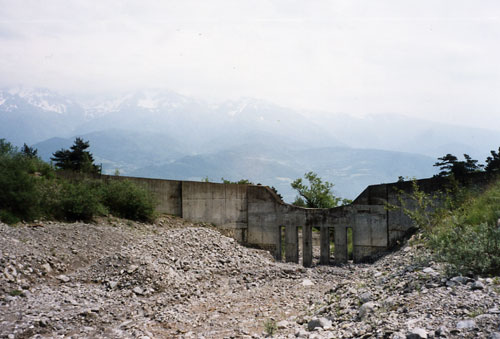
(463, 232)
(78, 200)
(30, 190)
(468, 249)
(126, 200)
(20, 178)
(18, 190)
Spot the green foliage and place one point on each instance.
(29, 152)
(76, 159)
(20, 177)
(276, 192)
(125, 199)
(239, 182)
(462, 229)
(450, 165)
(419, 206)
(16, 293)
(29, 190)
(317, 194)
(79, 200)
(493, 162)
(6, 148)
(8, 218)
(270, 327)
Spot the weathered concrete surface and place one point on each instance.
(324, 258)
(224, 205)
(167, 192)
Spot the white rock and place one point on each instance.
(132, 269)
(282, 324)
(429, 270)
(365, 297)
(137, 290)
(47, 268)
(307, 282)
(318, 322)
(365, 309)
(301, 333)
(466, 324)
(477, 285)
(63, 278)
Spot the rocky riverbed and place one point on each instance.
(173, 279)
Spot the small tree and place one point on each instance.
(29, 152)
(493, 162)
(76, 159)
(450, 165)
(317, 194)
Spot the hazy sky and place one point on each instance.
(434, 59)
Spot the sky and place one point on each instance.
(433, 59)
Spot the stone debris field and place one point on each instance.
(173, 279)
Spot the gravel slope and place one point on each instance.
(173, 279)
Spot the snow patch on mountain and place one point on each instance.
(148, 103)
(42, 98)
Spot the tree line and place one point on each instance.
(30, 188)
(449, 165)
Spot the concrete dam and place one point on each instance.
(255, 216)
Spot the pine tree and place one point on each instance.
(76, 159)
(493, 162)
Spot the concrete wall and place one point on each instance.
(224, 205)
(167, 192)
(256, 216)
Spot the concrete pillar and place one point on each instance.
(340, 244)
(277, 253)
(324, 258)
(307, 248)
(291, 244)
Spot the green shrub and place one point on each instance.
(19, 184)
(78, 200)
(468, 249)
(462, 230)
(125, 199)
(29, 189)
(270, 327)
(8, 218)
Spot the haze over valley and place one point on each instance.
(162, 134)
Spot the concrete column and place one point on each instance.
(307, 253)
(340, 244)
(324, 258)
(291, 244)
(277, 253)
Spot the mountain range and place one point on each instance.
(163, 134)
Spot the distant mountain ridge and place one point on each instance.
(164, 134)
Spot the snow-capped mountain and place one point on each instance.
(44, 99)
(162, 133)
(32, 115)
(152, 100)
